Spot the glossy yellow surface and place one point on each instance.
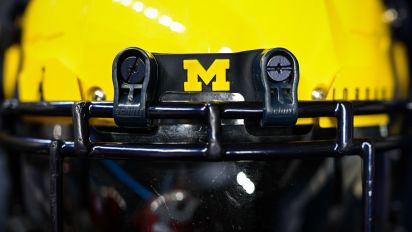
(11, 66)
(343, 47)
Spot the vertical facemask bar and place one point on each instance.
(56, 186)
(368, 186)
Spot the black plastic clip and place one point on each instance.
(278, 73)
(134, 79)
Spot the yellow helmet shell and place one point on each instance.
(343, 47)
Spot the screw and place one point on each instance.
(391, 15)
(97, 94)
(133, 70)
(57, 131)
(279, 68)
(318, 94)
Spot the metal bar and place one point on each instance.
(247, 109)
(302, 149)
(80, 128)
(39, 108)
(178, 110)
(368, 167)
(231, 151)
(101, 109)
(317, 109)
(25, 143)
(307, 109)
(67, 148)
(214, 148)
(151, 151)
(379, 107)
(344, 116)
(56, 187)
(392, 142)
(288, 150)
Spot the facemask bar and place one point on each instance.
(343, 145)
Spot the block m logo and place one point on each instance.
(196, 70)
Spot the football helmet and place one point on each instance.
(141, 115)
